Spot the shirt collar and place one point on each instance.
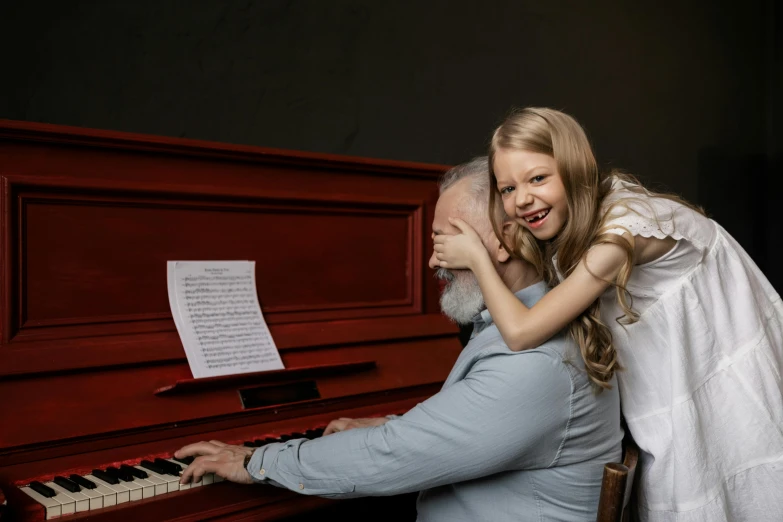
(529, 296)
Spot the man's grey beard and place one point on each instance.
(461, 299)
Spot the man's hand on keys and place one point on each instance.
(345, 424)
(215, 457)
(227, 461)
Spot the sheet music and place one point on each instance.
(219, 319)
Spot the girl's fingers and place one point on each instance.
(462, 226)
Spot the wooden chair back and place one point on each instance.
(617, 486)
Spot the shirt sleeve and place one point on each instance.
(510, 412)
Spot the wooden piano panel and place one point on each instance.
(349, 220)
(88, 220)
(96, 249)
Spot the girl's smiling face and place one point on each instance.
(532, 191)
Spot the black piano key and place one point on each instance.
(122, 475)
(136, 472)
(284, 438)
(249, 444)
(83, 482)
(146, 464)
(125, 475)
(312, 434)
(185, 460)
(270, 440)
(106, 477)
(43, 489)
(298, 435)
(168, 463)
(169, 467)
(67, 484)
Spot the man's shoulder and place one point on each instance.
(490, 343)
(555, 355)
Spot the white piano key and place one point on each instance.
(51, 506)
(161, 486)
(206, 480)
(183, 486)
(123, 494)
(147, 487)
(82, 501)
(108, 494)
(172, 482)
(134, 489)
(67, 504)
(96, 499)
(217, 478)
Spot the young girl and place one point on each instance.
(651, 287)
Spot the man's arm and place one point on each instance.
(346, 423)
(510, 412)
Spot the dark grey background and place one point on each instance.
(687, 95)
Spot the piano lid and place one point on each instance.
(88, 220)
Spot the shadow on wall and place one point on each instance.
(732, 190)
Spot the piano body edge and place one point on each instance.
(88, 219)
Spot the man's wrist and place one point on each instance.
(246, 462)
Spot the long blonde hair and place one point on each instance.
(551, 132)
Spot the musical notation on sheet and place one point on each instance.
(219, 319)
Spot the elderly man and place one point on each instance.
(511, 436)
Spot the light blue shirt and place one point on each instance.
(512, 436)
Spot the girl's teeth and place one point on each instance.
(536, 216)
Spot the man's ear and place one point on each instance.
(502, 254)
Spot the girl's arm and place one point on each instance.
(520, 326)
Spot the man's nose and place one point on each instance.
(434, 264)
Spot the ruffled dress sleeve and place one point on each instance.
(630, 208)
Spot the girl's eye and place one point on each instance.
(537, 179)
(506, 190)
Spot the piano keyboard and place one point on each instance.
(111, 486)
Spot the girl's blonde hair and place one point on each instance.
(560, 136)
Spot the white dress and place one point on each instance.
(701, 389)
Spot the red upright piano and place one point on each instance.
(92, 371)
